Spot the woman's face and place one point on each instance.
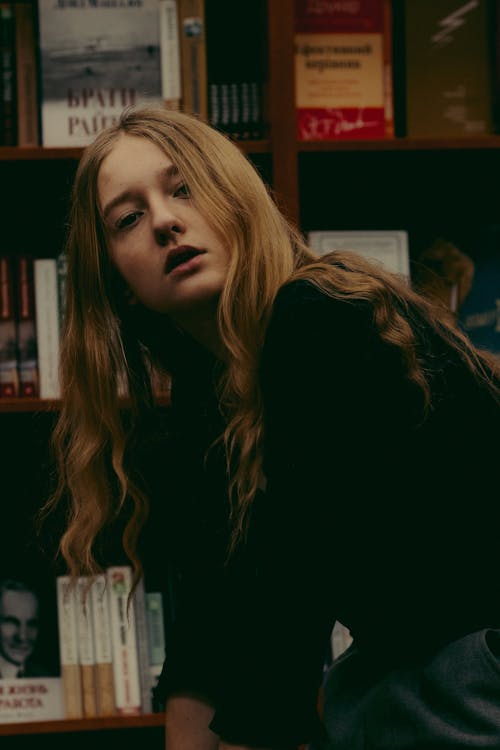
(165, 250)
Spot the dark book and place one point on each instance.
(9, 385)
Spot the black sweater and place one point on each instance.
(370, 516)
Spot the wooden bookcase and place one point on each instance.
(429, 187)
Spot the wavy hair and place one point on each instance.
(104, 344)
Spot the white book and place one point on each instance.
(171, 85)
(96, 59)
(390, 248)
(105, 689)
(340, 640)
(47, 325)
(68, 647)
(124, 640)
(86, 650)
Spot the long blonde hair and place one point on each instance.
(102, 345)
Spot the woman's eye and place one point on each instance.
(128, 220)
(181, 191)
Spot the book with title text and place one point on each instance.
(31, 686)
(97, 58)
(343, 70)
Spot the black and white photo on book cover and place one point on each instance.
(30, 681)
(97, 58)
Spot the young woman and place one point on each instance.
(330, 455)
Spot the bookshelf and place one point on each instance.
(428, 185)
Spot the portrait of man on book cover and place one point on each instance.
(21, 643)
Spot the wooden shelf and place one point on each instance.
(83, 725)
(403, 144)
(19, 405)
(15, 153)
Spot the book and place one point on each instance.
(170, 53)
(343, 70)
(123, 640)
(68, 644)
(7, 82)
(86, 649)
(26, 76)
(47, 326)
(155, 620)
(9, 384)
(27, 354)
(390, 248)
(105, 689)
(97, 58)
(193, 55)
(30, 681)
(236, 92)
(139, 598)
(449, 79)
(479, 313)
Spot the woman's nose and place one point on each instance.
(166, 224)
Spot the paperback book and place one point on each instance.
(97, 58)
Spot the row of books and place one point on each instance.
(31, 314)
(369, 69)
(69, 69)
(110, 651)
(374, 68)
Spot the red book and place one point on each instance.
(26, 328)
(343, 70)
(9, 386)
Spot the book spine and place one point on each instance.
(388, 70)
(86, 652)
(193, 48)
(169, 53)
(143, 647)
(68, 647)
(9, 386)
(26, 328)
(124, 640)
(26, 76)
(62, 275)
(105, 688)
(155, 620)
(7, 65)
(47, 326)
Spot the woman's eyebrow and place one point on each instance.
(168, 175)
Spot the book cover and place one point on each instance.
(97, 58)
(68, 647)
(193, 55)
(449, 87)
(9, 385)
(27, 354)
(86, 649)
(47, 326)
(26, 76)
(105, 689)
(30, 682)
(479, 313)
(390, 248)
(343, 70)
(123, 640)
